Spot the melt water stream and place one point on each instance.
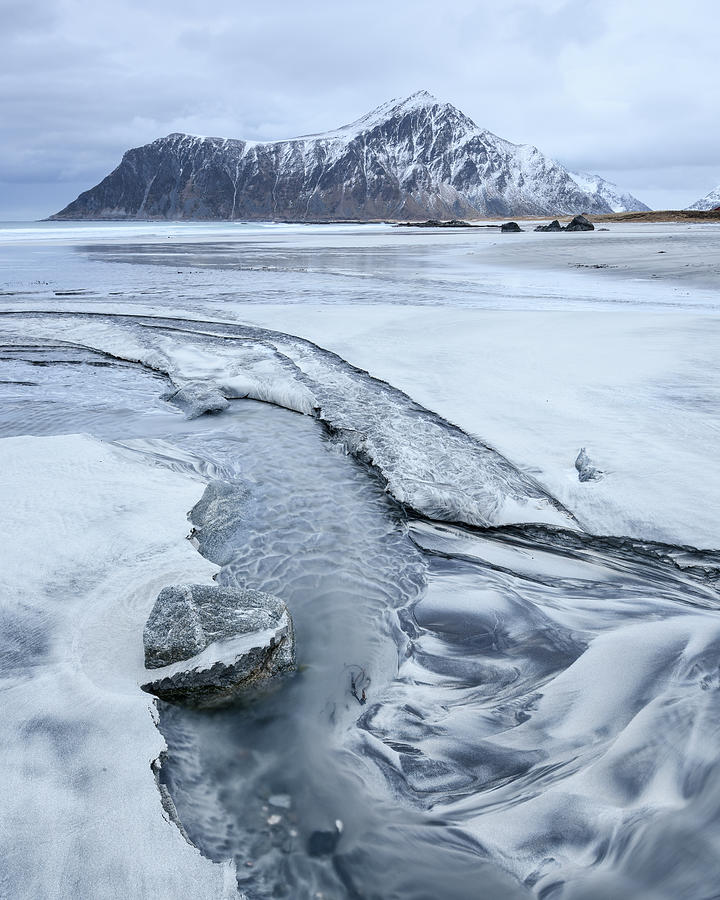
(540, 709)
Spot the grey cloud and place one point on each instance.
(603, 86)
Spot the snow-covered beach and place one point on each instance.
(519, 692)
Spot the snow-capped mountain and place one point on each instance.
(609, 192)
(415, 158)
(709, 201)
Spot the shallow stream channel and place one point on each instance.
(503, 712)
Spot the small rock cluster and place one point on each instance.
(579, 223)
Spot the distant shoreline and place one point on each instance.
(658, 216)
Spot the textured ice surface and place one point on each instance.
(429, 465)
(90, 535)
(537, 699)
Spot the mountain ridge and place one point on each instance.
(709, 201)
(412, 158)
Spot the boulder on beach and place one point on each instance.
(551, 226)
(579, 223)
(196, 398)
(209, 645)
(510, 227)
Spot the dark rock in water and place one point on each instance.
(585, 469)
(323, 843)
(551, 226)
(196, 398)
(510, 227)
(210, 645)
(580, 223)
(218, 517)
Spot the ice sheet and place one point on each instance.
(90, 535)
(640, 390)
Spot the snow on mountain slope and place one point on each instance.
(408, 159)
(609, 192)
(709, 201)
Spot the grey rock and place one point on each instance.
(580, 223)
(511, 227)
(187, 618)
(219, 519)
(411, 159)
(197, 398)
(211, 645)
(551, 226)
(585, 469)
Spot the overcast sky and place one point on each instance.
(628, 89)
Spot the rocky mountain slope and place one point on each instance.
(709, 201)
(416, 158)
(617, 200)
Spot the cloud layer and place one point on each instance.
(627, 90)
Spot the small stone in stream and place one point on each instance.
(196, 398)
(282, 801)
(219, 518)
(579, 223)
(551, 226)
(323, 843)
(511, 227)
(585, 469)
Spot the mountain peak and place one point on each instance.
(398, 106)
(413, 157)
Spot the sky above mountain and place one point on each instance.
(629, 91)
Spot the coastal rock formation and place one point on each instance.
(209, 645)
(511, 227)
(579, 223)
(551, 226)
(410, 159)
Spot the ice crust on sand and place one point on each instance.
(428, 464)
(90, 535)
